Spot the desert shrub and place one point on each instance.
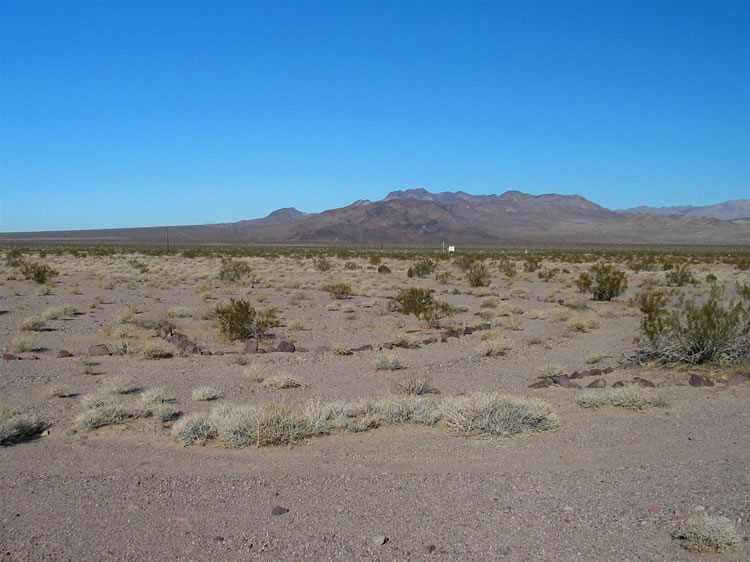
(59, 312)
(551, 370)
(154, 351)
(420, 303)
(400, 408)
(444, 277)
(531, 263)
(496, 414)
(595, 357)
(388, 363)
(508, 267)
(707, 533)
(478, 275)
(32, 324)
(139, 265)
(693, 333)
(374, 260)
(512, 323)
(632, 397)
(548, 275)
(413, 385)
(281, 381)
(679, 276)
(21, 343)
(402, 339)
(105, 411)
(322, 264)
(196, 427)
(495, 346)
(464, 262)
(239, 320)
(17, 426)
(234, 271)
(339, 290)
(86, 364)
(341, 349)
(58, 390)
(37, 272)
(155, 395)
(384, 269)
(179, 312)
(743, 290)
(205, 394)
(120, 384)
(603, 281)
(351, 266)
(582, 324)
(254, 373)
(422, 268)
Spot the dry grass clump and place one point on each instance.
(21, 343)
(281, 381)
(706, 533)
(595, 357)
(388, 363)
(85, 364)
(497, 415)
(631, 396)
(512, 323)
(58, 390)
(155, 395)
(127, 314)
(17, 426)
(494, 344)
(32, 324)
(154, 351)
(403, 340)
(413, 385)
(101, 410)
(179, 312)
(120, 384)
(254, 373)
(105, 407)
(558, 314)
(296, 325)
(59, 312)
(205, 394)
(551, 370)
(581, 324)
(341, 349)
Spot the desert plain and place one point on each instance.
(375, 457)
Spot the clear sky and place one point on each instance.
(126, 113)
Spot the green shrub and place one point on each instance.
(239, 320)
(322, 264)
(422, 268)
(233, 271)
(351, 266)
(339, 290)
(603, 281)
(37, 272)
(478, 276)
(382, 268)
(531, 263)
(679, 276)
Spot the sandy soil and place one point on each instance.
(610, 484)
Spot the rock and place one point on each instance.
(64, 353)
(695, 437)
(664, 384)
(468, 330)
(218, 353)
(598, 383)
(285, 346)
(70, 433)
(450, 334)
(482, 327)
(366, 347)
(380, 539)
(205, 352)
(594, 373)
(100, 350)
(700, 380)
(618, 384)
(387, 345)
(278, 510)
(561, 301)
(721, 381)
(10, 357)
(543, 383)
(576, 375)
(607, 370)
(643, 382)
(429, 548)
(562, 380)
(428, 341)
(45, 433)
(737, 379)
(629, 365)
(251, 346)
(301, 349)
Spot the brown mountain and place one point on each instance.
(729, 210)
(420, 217)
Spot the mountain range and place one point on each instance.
(417, 216)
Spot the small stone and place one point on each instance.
(10, 357)
(430, 548)
(543, 383)
(562, 380)
(205, 352)
(645, 383)
(594, 373)
(577, 375)
(468, 331)
(387, 345)
(100, 350)
(278, 510)
(251, 346)
(736, 379)
(607, 370)
(380, 539)
(285, 346)
(64, 353)
(482, 327)
(70, 433)
(700, 380)
(618, 384)
(695, 437)
(598, 383)
(428, 341)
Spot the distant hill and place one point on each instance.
(416, 216)
(729, 210)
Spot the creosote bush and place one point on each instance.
(422, 268)
(234, 271)
(420, 303)
(239, 320)
(38, 273)
(478, 275)
(339, 290)
(603, 281)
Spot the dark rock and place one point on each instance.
(301, 349)
(594, 373)
(251, 346)
(285, 346)
(205, 352)
(645, 383)
(700, 380)
(618, 384)
(10, 357)
(100, 350)
(64, 353)
(562, 380)
(598, 383)
(468, 330)
(428, 341)
(576, 375)
(721, 381)
(429, 548)
(70, 433)
(450, 334)
(218, 353)
(482, 327)
(278, 510)
(607, 370)
(543, 383)
(737, 379)
(387, 345)
(380, 539)
(560, 301)
(366, 347)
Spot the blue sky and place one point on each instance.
(116, 114)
